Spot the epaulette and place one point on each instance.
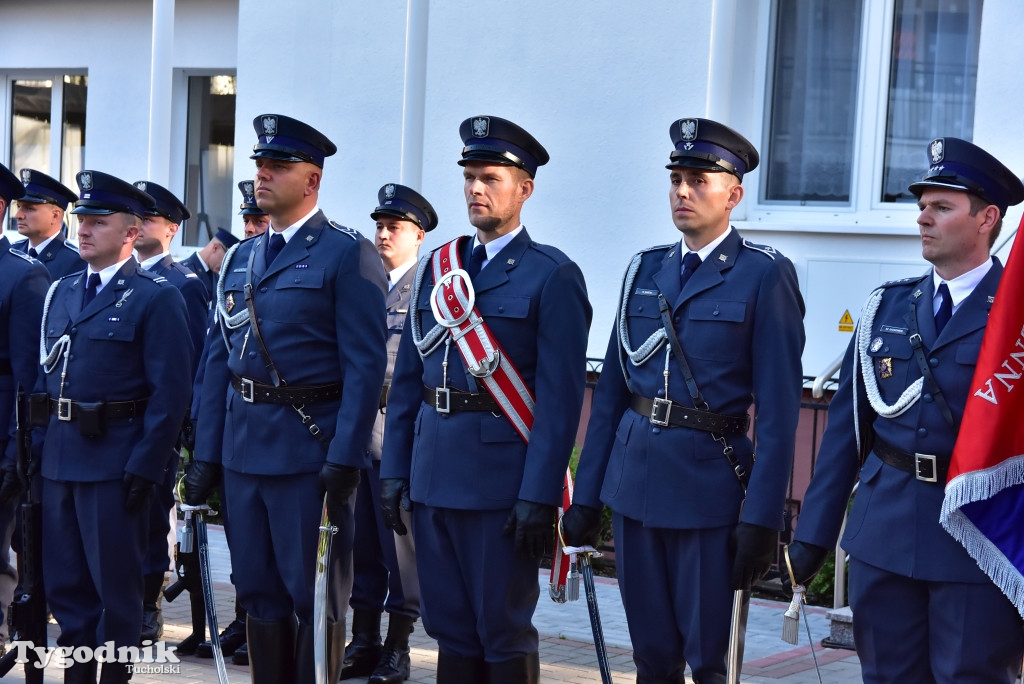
(658, 248)
(22, 255)
(767, 250)
(73, 247)
(149, 274)
(905, 281)
(354, 234)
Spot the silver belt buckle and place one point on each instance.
(247, 390)
(660, 411)
(933, 466)
(64, 409)
(442, 400)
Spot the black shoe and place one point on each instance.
(190, 645)
(241, 655)
(231, 639)
(393, 667)
(152, 617)
(361, 656)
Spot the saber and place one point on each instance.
(586, 554)
(563, 585)
(194, 516)
(323, 562)
(737, 636)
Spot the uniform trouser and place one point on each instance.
(384, 563)
(676, 595)
(159, 545)
(914, 631)
(478, 594)
(8, 573)
(275, 527)
(92, 562)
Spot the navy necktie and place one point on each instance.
(476, 261)
(945, 311)
(33, 253)
(90, 289)
(691, 260)
(274, 247)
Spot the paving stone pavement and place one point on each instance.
(566, 646)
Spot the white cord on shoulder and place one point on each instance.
(865, 326)
(240, 318)
(62, 347)
(425, 345)
(658, 337)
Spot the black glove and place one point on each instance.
(339, 483)
(806, 560)
(753, 551)
(532, 524)
(394, 498)
(136, 492)
(581, 525)
(188, 435)
(200, 481)
(10, 485)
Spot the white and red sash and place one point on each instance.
(454, 304)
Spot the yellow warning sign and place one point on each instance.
(846, 322)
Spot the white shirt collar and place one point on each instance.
(496, 245)
(42, 245)
(705, 251)
(960, 287)
(288, 232)
(396, 274)
(106, 274)
(152, 261)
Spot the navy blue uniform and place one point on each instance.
(130, 343)
(23, 283)
(207, 277)
(60, 257)
(384, 564)
(468, 469)
(674, 496)
(923, 608)
(321, 310)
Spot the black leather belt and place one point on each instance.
(447, 400)
(66, 409)
(5, 367)
(664, 412)
(258, 392)
(384, 392)
(925, 467)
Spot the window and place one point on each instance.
(826, 91)
(209, 158)
(46, 126)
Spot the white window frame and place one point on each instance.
(56, 110)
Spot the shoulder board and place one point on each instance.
(191, 275)
(150, 275)
(343, 229)
(72, 246)
(905, 281)
(767, 250)
(658, 248)
(22, 255)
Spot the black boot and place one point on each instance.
(305, 661)
(272, 644)
(451, 669)
(522, 670)
(363, 652)
(116, 673)
(80, 673)
(393, 667)
(241, 656)
(231, 638)
(335, 650)
(152, 618)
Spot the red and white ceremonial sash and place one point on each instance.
(454, 304)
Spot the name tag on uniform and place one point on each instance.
(238, 270)
(645, 292)
(893, 330)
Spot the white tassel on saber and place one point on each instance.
(791, 619)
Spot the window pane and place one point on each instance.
(72, 152)
(931, 84)
(209, 159)
(813, 101)
(30, 125)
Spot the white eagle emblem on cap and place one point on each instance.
(248, 189)
(936, 150)
(85, 180)
(270, 127)
(480, 126)
(26, 176)
(688, 129)
(389, 191)
(141, 185)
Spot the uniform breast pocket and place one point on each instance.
(508, 317)
(642, 318)
(894, 367)
(113, 339)
(296, 296)
(713, 329)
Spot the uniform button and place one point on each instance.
(71, 357)
(640, 308)
(298, 280)
(922, 432)
(678, 319)
(661, 392)
(885, 348)
(656, 430)
(933, 362)
(501, 309)
(263, 289)
(252, 355)
(110, 334)
(715, 312)
(927, 398)
(74, 330)
(50, 332)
